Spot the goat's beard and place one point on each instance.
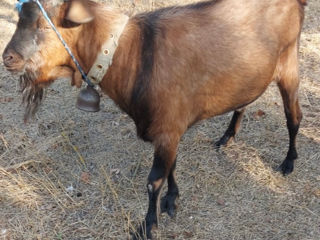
(32, 93)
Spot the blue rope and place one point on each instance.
(84, 76)
(20, 3)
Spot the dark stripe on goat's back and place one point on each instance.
(140, 109)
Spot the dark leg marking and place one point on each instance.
(168, 202)
(232, 128)
(288, 86)
(294, 117)
(163, 162)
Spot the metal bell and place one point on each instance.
(88, 100)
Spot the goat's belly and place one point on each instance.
(220, 101)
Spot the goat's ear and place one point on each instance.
(79, 11)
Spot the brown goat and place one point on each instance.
(172, 68)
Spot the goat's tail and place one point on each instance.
(303, 2)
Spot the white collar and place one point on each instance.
(108, 48)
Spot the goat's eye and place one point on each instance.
(44, 28)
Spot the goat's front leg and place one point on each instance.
(168, 202)
(164, 160)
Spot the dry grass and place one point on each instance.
(74, 175)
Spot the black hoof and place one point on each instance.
(168, 204)
(286, 167)
(143, 233)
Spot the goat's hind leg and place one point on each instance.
(232, 129)
(288, 85)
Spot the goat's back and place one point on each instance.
(217, 56)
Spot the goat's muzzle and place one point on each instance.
(13, 61)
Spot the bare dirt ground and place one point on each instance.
(74, 175)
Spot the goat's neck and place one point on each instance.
(119, 80)
(92, 35)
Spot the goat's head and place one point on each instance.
(36, 54)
